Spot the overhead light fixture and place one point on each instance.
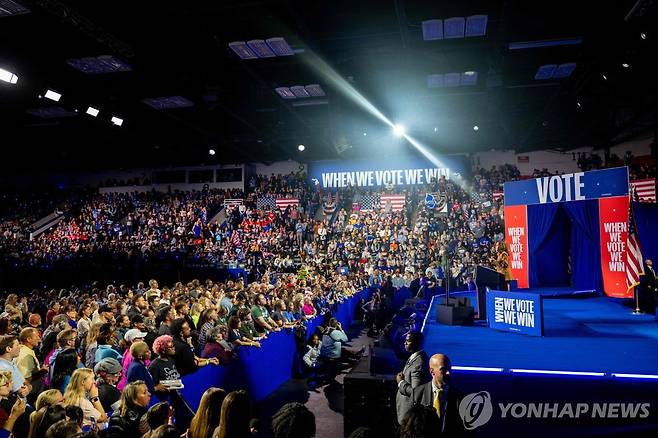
(116, 121)
(52, 95)
(211, 151)
(436, 129)
(260, 48)
(605, 78)
(315, 90)
(280, 46)
(92, 111)
(285, 92)
(7, 76)
(301, 148)
(299, 91)
(242, 50)
(99, 65)
(643, 36)
(579, 105)
(476, 128)
(10, 7)
(365, 134)
(399, 130)
(625, 65)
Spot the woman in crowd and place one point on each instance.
(235, 336)
(235, 416)
(131, 336)
(106, 341)
(138, 370)
(92, 344)
(206, 323)
(82, 392)
(163, 367)
(207, 417)
(158, 415)
(66, 363)
(217, 346)
(135, 399)
(44, 418)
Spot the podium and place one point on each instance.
(486, 278)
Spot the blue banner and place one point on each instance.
(385, 173)
(578, 186)
(515, 312)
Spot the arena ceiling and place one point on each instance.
(375, 48)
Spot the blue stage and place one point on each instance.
(581, 333)
(592, 338)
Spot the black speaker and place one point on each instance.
(370, 402)
(454, 315)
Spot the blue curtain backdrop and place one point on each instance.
(557, 230)
(548, 246)
(585, 245)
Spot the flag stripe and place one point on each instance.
(645, 189)
(634, 262)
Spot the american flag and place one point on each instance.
(369, 202)
(634, 262)
(396, 202)
(266, 203)
(284, 203)
(228, 203)
(645, 189)
(497, 195)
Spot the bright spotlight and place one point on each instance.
(116, 121)
(643, 36)
(7, 76)
(301, 148)
(625, 65)
(52, 95)
(605, 78)
(436, 129)
(211, 151)
(399, 130)
(476, 128)
(92, 111)
(365, 134)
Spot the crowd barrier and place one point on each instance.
(262, 370)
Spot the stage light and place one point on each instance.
(635, 376)
(399, 130)
(559, 373)
(625, 65)
(476, 128)
(116, 121)
(605, 78)
(7, 76)
(478, 369)
(643, 36)
(301, 148)
(436, 129)
(211, 151)
(365, 134)
(579, 104)
(52, 95)
(92, 111)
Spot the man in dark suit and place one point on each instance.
(414, 373)
(649, 287)
(442, 396)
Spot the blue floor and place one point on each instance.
(596, 334)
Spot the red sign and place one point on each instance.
(516, 237)
(613, 229)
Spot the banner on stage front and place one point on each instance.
(515, 312)
(613, 229)
(516, 237)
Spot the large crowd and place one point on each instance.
(94, 356)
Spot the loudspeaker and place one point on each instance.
(370, 402)
(454, 315)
